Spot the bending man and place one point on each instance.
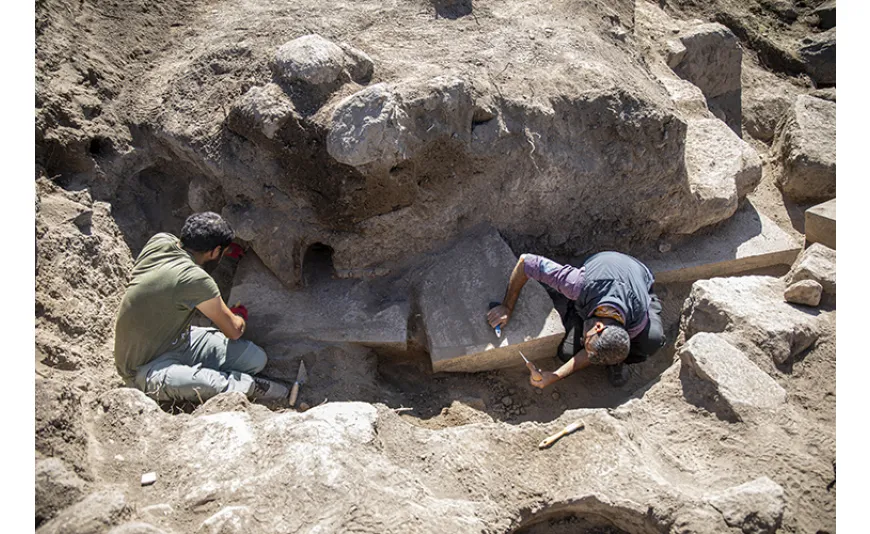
(157, 350)
(615, 318)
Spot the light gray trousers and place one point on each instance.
(211, 364)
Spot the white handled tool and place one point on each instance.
(573, 427)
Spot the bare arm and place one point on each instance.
(230, 324)
(500, 315)
(579, 361)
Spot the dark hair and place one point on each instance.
(610, 346)
(204, 231)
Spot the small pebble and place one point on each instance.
(507, 401)
(538, 391)
(564, 406)
(555, 395)
(149, 478)
(119, 458)
(303, 406)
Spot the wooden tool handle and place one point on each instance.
(293, 393)
(577, 425)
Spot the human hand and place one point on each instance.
(240, 310)
(499, 316)
(546, 378)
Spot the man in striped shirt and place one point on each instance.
(615, 318)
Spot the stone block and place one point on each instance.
(739, 382)
(747, 241)
(806, 145)
(334, 311)
(316, 61)
(721, 168)
(820, 224)
(455, 290)
(750, 310)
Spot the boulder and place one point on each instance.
(818, 263)
(820, 224)
(96, 514)
(806, 292)
(454, 295)
(56, 488)
(806, 145)
(818, 52)
(721, 168)
(709, 56)
(750, 309)
(755, 507)
(261, 112)
(739, 382)
(386, 124)
(705, 520)
(319, 62)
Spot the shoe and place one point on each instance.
(617, 375)
(268, 391)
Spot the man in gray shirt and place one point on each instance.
(615, 318)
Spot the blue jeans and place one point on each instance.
(209, 365)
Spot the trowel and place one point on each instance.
(301, 377)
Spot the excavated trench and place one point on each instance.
(404, 380)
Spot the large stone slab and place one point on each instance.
(747, 241)
(335, 311)
(750, 311)
(455, 292)
(820, 224)
(739, 382)
(806, 145)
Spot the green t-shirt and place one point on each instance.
(165, 287)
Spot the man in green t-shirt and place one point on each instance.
(156, 348)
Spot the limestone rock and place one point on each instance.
(806, 146)
(766, 98)
(56, 488)
(136, 528)
(721, 167)
(819, 55)
(316, 61)
(739, 382)
(94, 515)
(751, 308)
(820, 224)
(712, 61)
(806, 292)
(818, 263)
(229, 520)
(453, 303)
(261, 112)
(386, 124)
(755, 507)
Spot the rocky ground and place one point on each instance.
(472, 112)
